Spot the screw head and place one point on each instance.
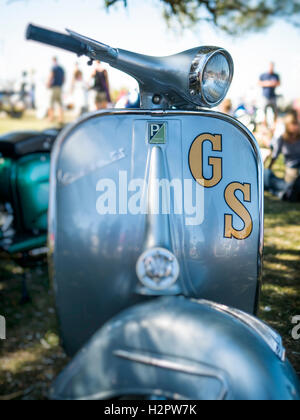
(156, 99)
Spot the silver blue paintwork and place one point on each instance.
(95, 256)
(178, 349)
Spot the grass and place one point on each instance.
(281, 275)
(31, 357)
(280, 299)
(29, 123)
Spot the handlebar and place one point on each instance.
(164, 76)
(56, 39)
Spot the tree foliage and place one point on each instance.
(232, 16)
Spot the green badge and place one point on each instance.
(157, 133)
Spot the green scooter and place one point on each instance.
(24, 191)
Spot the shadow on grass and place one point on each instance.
(280, 300)
(31, 357)
(281, 213)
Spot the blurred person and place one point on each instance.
(42, 99)
(55, 84)
(32, 89)
(122, 99)
(226, 107)
(78, 90)
(18, 97)
(246, 114)
(278, 132)
(129, 100)
(269, 81)
(123, 92)
(296, 107)
(289, 145)
(25, 86)
(101, 86)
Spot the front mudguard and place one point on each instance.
(178, 348)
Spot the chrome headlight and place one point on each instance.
(210, 76)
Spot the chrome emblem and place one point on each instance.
(157, 269)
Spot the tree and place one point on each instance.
(231, 16)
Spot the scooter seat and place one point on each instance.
(17, 144)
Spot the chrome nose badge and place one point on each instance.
(157, 268)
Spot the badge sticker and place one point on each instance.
(157, 133)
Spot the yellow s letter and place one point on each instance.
(196, 160)
(238, 208)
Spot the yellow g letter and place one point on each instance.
(196, 160)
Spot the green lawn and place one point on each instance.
(31, 356)
(27, 123)
(281, 279)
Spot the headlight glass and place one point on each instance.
(215, 78)
(210, 77)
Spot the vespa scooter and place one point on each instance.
(156, 240)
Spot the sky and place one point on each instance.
(141, 28)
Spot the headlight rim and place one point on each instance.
(204, 59)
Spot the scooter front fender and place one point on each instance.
(177, 348)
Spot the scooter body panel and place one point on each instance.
(32, 189)
(24, 189)
(24, 196)
(5, 183)
(176, 348)
(94, 255)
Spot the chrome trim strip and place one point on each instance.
(270, 336)
(206, 57)
(178, 365)
(158, 233)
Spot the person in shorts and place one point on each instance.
(55, 84)
(101, 87)
(269, 81)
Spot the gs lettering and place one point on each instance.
(237, 207)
